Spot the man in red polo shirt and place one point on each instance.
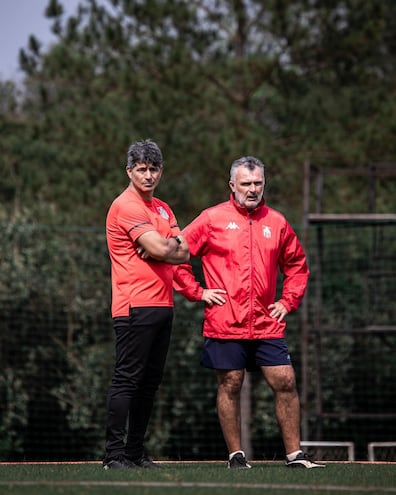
(144, 241)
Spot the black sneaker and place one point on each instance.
(238, 461)
(303, 460)
(118, 463)
(146, 463)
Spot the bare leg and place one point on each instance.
(282, 381)
(229, 406)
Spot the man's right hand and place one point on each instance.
(213, 296)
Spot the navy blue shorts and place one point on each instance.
(222, 354)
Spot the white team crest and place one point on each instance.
(267, 232)
(163, 212)
(232, 226)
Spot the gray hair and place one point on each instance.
(250, 162)
(146, 152)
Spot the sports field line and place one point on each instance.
(194, 484)
(23, 463)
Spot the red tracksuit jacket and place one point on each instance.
(242, 252)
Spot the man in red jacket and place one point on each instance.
(242, 244)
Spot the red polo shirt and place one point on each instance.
(137, 282)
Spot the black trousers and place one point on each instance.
(142, 342)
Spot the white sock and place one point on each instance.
(293, 455)
(236, 452)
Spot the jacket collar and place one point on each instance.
(242, 210)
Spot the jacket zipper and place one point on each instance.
(251, 278)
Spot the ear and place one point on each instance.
(232, 185)
(128, 171)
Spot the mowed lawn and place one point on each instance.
(198, 478)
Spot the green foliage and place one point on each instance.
(210, 82)
(14, 413)
(55, 329)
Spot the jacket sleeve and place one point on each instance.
(293, 265)
(185, 283)
(184, 280)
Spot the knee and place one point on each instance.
(231, 385)
(287, 385)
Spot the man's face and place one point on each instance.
(248, 187)
(144, 178)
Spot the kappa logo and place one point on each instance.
(267, 231)
(232, 226)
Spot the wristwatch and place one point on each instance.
(177, 239)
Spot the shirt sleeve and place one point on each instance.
(133, 218)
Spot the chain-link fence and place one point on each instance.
(56, 351)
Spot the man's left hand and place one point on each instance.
(278, 311)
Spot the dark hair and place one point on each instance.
(250, 162)
(146, 151)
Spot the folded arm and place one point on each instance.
(169, 250)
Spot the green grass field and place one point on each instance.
(201, 478)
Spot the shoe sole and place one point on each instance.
(107, 467)
(304, 466)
